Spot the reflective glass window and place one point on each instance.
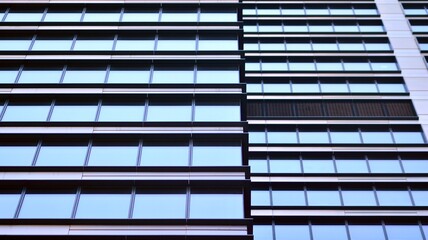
(420, 197)
(164, 113)
(171, 76)
(300, 66)
(365, 11)
(154, 204)
(260, 198)
(329, 66)
(262, 11)
(376, 137)
(169, 16)
(358, 198)
(385, 166)
(276, 88)
(324, 46)
(403, 232)
(128, 76)
(351, 166)
(378, 47)
(334, 88)
(217, 76)
(391, 88)
(93, 205)
(258, 166)
(272, 46)
(217, 45)
(15, 45)
(285, 166)
(70, 113)
(346, 28)
(24, 17)
(313, 137)
(93, 45)
(329, 232)
(252, 66)
(353, 66)
(341, 11)
(141, 16)
(295, 28)
(121, 113)
(292, 232)
(216, 206)
(298, 46)
(47, 206)
(282, 137)
(290, 11)
(176, 45)
(165, 156)
(252, 88)
(217, 156)
(62, 156)
(217, 17)
(271, 66)
(8, 75)
(22, 113)
(394, 198)
(257, 137)
(345, 137)
(415, 11)
(135, 45)
(408, 137)
(317, 11)
(351, 47)
(209, 113)
(101, 17)
(318, 166)
(250, 28)
(113, 156)
(323, 198)
(415, 166)
(263, 232)
(84, 76)
(305, 87)
(63, 17)
(270, 28)
(52, 45)
(366, 232)
(40, 76)
(362, 87)
(8, 204)
(288, 198)
(17, 155)
(367, 28)
(251, 46)
(385, 66)
(320, 28)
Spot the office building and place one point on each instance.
(226, 119)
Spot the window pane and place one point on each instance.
(179, 17)
(26, 113)
(318, 166)
(323, 198)
(128, 76)
(403, 232)
(277, 88)
(295, 66)
(93, 45)
(288, 198)
(252, 66)
(217, 17)
(285, 166)
(217, 45)
(176, 45)
(23, 17)
(384, 66)
(376, 137)
(8, 204)
(351, 46)
(169, 113)
(103, 206)
(366, 232)
(305, 87)
(62, 17)
(394, 198)
(257, 137)
(216, 206)
(206, 113)
(217, 156)
(263, 232)
(359, 198)
(67, 113)
(165, 156)
(40, 76)
(52, 45)
(62, 156)
(260, 198)
(47, 206)
(135, 45)
(298, 47)
(151, 205)
(14, 45)
(282, 137)
(345, 137)
(217, 77)
(292, 232)
(101, 17)
(8, 76)
(313, 137)
(391, 88)
(329, 66)
(329, 232)
(258, 166)
(121, 113)
(363, 87)
(356, 66)
(385, 166)
(420, 198)
(415, 166)
(408, 137)
(74, 76)
(351, 166)
(272, 46)
(140, 17)
(17, 155)
(270, 66)
(334, 88)
(113, 156)
(172, 76)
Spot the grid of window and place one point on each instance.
(313, 10)
(131, 14)
(123, 203)
(120, 43)
(365, 164)
(342, 196)
(142, 153)
(113, 111)
(316, 27)
(328, 86)
(319, 45)
(111, 74)
(320, 65)
(340, 231)
(337, 135)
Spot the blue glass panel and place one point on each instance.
(288, 198)
(263, 232)
(214, 206)
(292, 232)
(8, 76)
(394, 198)
(285, 166)
(318, 166)
(47, 206)
(260, 198)
(62, 156)
(52, 45)
(40, 76)
(408, 137)
(217, 156)
(415, 166)
(258, 166)
(329, 232)
(420, 197)
(113, 156)
(385, 166)
(21, 113)
(166, 206)
(8, 204)
(116, 113)
(129, 76)
(103, 206)
(351, 166)
(68, 113)
(209, 113)
(359, 198)
(366, 232)
(17, 155)
(403, 232)
(165, 156)
(169, 113)
(282, 137)
(75, 76)
(323, 198)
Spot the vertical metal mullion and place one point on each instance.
(140, 153)
(160, 13)
(424, 237)
(132, 203)
(50, 111)
(21, 68)
(44, 15)
(146, 109)
(116, 36)
(268, 163)
(152, 67)
(193, 110)
(190, 146)
(374, 189)
(339, 189)
(273, 230)
(301, 163)
(5, 105)
(33, 39)
(88, 153)
(311, 233)
(97, 114)
(400, 162)
(409, 191)
(333, 158)
(270, 196)
(21, 200)
(76, 202)
(188, 199)
(122, 12)
(366, 158)
(305, 191)
(64, 69)
(384, 229)
(195, 73)
(107, 72)
(5, 15)
(348, 232)
(36, 154)
(74, 42)
(83, 14)
(392, 135)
